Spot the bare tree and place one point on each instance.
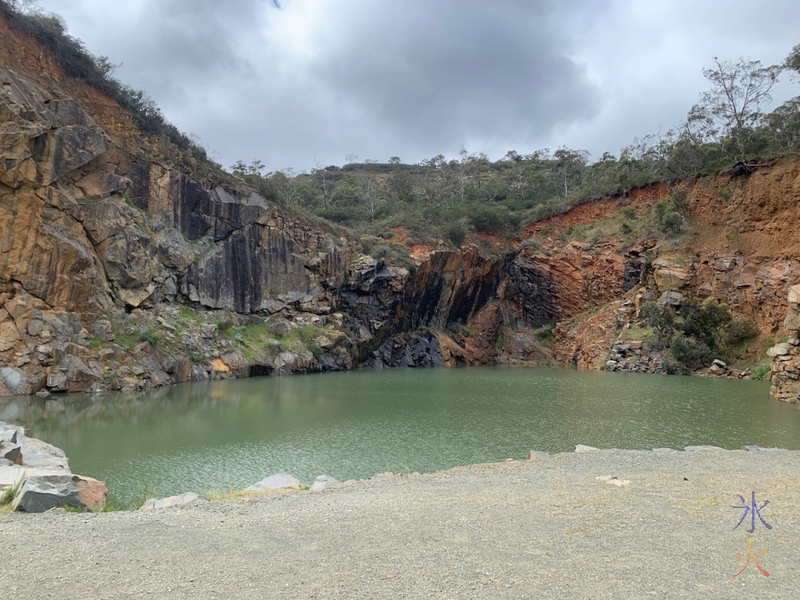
(24, 6)
(286, 183)
(374, 196)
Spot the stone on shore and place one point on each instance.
(581, 448)
(43, 492)
(537, 454)
(278, 481)
(12, 454)
(185, 499)
(702, 448)
(324, 482)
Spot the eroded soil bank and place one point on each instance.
(601, 524)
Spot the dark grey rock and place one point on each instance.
(43, 492)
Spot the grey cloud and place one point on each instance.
(317, 79)
(443, 73)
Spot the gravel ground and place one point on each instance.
(556, 527)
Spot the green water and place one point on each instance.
(227, 435)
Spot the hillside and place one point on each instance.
(128, 260)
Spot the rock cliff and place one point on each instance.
(126, 264)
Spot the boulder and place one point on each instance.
(671, 298)
(103, 331)
(79, 376)
(779, 350)
(9, 336)
(185, 499)
(15, 382)
(794, 294)
(278, 481)
(792, 321)
(324, 482)
(537, 454)
(43, 492)
(701, 448)
(13, 454)
(581, 448)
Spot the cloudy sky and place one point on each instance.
(291, 82)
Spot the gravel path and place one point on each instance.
(545, 528)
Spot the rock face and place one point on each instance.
(126, 264)
(786, 356)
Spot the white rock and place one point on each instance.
(324, 482)
(185, 499)
(582, 448)
(278, 481)
(779, 350)
(613, 480)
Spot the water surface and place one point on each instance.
(227, 435)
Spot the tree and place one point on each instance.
(24, 6)
(394, 160)
(241, 169)
(320, 172)
(732, 108)
(792, 62)
(783, 125)
(285, 182)
(372, 194)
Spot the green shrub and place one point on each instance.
(761, 372)
(739, 332)
(690, 352)
(457, 234)
(150, 337)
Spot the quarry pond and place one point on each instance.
(227, 435)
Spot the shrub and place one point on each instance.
(457, 234)
(740, 331)
(761, 372)
(690, 352)
(150, 337)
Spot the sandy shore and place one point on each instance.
(557, 527)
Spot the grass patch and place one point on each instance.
(229, 494)
(761, 372)
(127, 341)
(7, 497)
(637, 333)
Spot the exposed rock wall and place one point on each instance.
(107, 235)
(786, 356)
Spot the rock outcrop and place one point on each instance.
(127, 264)
(39, 473)
(786, 355)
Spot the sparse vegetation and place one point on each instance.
(697, 334)
(97, 71)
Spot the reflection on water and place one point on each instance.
(230, 434)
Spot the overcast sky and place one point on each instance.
(320, 79)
